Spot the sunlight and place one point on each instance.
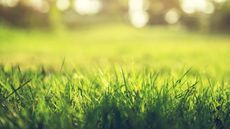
(62, 4)
(40, 5)
(137, 13)
(172, 16)
(9, 3)
(192, 6)
(85, 7)
(220, 1)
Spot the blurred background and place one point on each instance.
(156, 33)
(205, 15)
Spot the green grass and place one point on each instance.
(114, 77)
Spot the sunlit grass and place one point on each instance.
(114, 77)
(112, 98)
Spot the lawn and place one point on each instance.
(114, 76)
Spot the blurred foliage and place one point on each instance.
(217, 21)
(158, 9)
(25, 15)
(221, 18)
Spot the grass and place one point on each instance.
(114, 77)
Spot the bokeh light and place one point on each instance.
(192, 6)
(86, 7)
(9, 3)
(172, 16)
(62, 4)
(137, 12)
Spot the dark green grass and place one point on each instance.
(112, 99)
